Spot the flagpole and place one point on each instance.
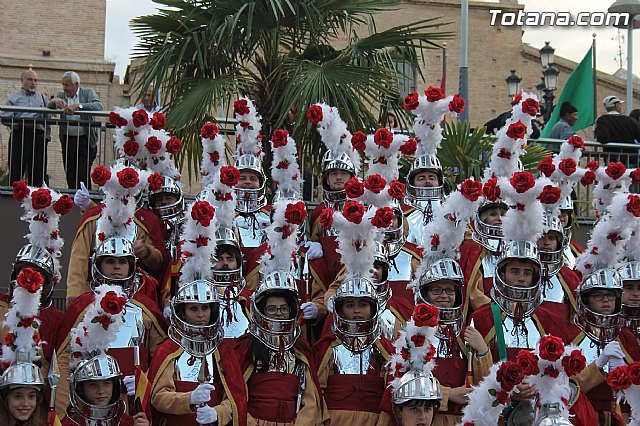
(443, 81)
(595, 80)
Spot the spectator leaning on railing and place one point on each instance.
(28, 140)
(616, 128)
(79, 142)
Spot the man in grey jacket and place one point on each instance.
(78, 137)
(568, 117)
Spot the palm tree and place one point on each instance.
(285, 55)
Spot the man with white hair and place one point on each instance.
(79, 140)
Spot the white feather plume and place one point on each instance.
(335, 135)
(248, 137)
(198, 245)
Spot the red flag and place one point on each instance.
(52, 418)
(143, 393)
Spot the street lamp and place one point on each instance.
(546, 55)
(551, 77)
(631, 7)
(549, 82)
(513, 83)
(540, 88)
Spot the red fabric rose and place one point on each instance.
(229, 175)
(128, 177)
(634, 372)
(588, 178)
(214, 157)
(517, 130)
(517, 98)
(635, 176)
(593, 165)
(284, 164)
(383, 138)
(354, 188)
(551, 348)
(435, 241)
(549, 195)
(158, 121)
(396, 190)
(358, 141)
(116, 120)
(202, 241)
(40, 198)
(131, 148)
(20, 190)
(140, 118)
(9, 338)
(375, 183)
(155, 181)
(409, 147)
(241, 107)
(30, 279)
(353, 211)
(425, 315)
(522, 181)
(633, 205)
(568, 166)
(574, 363)
(576, 142)
(530, 106)
(504, 153)
(551, 371)
(112, 304)
(491, 190)
(434, 94)
(471, 189)
(382, 218)
(418, 340)
(411, 101)
(279, 138)
(546, 166)
(26, 322)
(209, 130)
(619, 379)
(615, 170)
(509, 375)
(295, 213)
(100, 175)
(202, 212)
(314, 114)
(63, 206)
(174, 145)
(326, 218)
(528, 362)
(153, 145)
(456, 104)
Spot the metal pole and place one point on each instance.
(630, 65)
(464, 68)
(595, 81)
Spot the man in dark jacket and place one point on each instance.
(617, 128)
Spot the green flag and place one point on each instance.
(579, 91)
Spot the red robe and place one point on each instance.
(125, 420)
(50, 320)
(231, 380)
(471, 255)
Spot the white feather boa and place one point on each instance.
(198, 245)
(248, 131)
(285, 171)
(282, 238)
(335, 135)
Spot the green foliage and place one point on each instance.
(284, 54)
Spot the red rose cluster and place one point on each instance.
(295, 213)
(112, 304)
(314, 114)
(624, 376)
(30, 279)
(425, 315)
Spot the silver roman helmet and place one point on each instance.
(383, 290)
(417, 385)
(197, 340)
(443, 269)
(169, 187)
(600, 327)
(394, 237)
(117, 247)
(31, 255)
(488, 236)
(551, 260)
(504, 293)
(356, 335)
(275, 333)
(415, 194)
(101, 367)
(22, 373)
(630, 271)
(335, 161)
(250, 200)
(223, 279)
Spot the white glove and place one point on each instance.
(167, 312)
(616, 362)
(201, 394)
(330, 304)
(130, 384)
(81, 198)
(206, 415)
(612, 350)
(314, 250)
(309, 310)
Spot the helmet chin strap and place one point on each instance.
(519, 327)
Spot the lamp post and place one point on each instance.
(513, 83)
(631, 7)
(549, 82)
